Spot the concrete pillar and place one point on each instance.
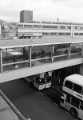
(52, 52)
(1, 68)
(81, 66)
(81, 69)
(82, 50)
(69, 51)
(30, 49)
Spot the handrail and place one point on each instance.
(18, 62)
(41, 58)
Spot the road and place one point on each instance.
(33, 103)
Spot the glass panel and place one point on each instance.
(76, 48)
(62, 27)
(61, 49)
(27, 26)
(68, 98)
(41, 52)
(68, 84)
(15, 66)
(49, 26)
(75, 102)
(69, 27)
(77, 88)
(40, 61)
(81, 28)
(15, 55)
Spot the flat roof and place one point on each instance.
(38, 41)
(75, 78)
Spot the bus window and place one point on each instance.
(68, 98)
(68, 84)
(77, 88)
(75, 102)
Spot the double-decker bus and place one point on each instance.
(72, 98)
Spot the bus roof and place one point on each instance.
(75, 78)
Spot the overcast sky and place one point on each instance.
(65, 10)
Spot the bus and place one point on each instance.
(43, 81)
(72, 98)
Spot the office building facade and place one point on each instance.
(26, 16)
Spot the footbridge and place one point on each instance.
(26, 57)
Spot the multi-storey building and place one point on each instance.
(26, 16)
(49, 29)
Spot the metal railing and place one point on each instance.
(39, 61)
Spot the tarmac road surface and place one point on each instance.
(32, 102)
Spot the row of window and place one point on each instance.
(74, 101)
(74, 86)
(52, 33)
(51, 26)
(78, 33)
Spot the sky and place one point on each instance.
(43, 10)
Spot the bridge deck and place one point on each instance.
(24, 72)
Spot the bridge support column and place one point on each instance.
(81, 66)
(1, 68)
(81, 69)
(69, 51)
(52, 53)
(30, 56)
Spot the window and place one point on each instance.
(77, 88)
(61, 33)
(20, 26)
(68, 98)
(27, 26)
(41, 51)
(67, 33)
(48, 26)
(62, 27)
(75, 102)
(76, 27)
(80, 33)
(68, 84)
(76, 33)
(69, 27)
(36, 26)
(81, 28)
(75, 48)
